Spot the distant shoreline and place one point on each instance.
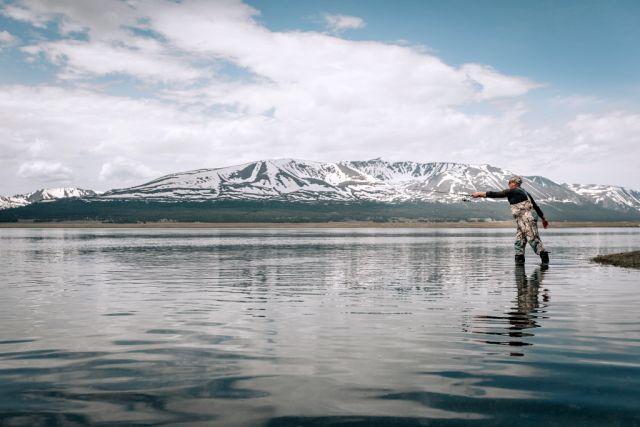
(347, 224)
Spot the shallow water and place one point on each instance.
(360, 327)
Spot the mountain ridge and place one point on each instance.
(374, 180)
(44, 194)
(371, 181)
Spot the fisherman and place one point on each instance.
(527, 228)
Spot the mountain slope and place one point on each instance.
(376, 189)
(44, 194)
(608, 196)
(373, 180)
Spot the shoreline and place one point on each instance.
(621, 259)
(346, 224)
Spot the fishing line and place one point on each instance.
(466, 197)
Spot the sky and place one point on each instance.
(113, 93)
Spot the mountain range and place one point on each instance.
(43, 195)
(372, 181)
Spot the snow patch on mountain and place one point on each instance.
(371, 180)
(374, 180)
(608, 196)
(13, 202)
(44, 194)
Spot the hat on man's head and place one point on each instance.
(517, 179)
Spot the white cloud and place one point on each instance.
(619, 127)
(595, 148)
(122, 169)
(103, 18)
(577, 101)
(330, 69)
(337, 23)
(300, 94)
(6, 38)
(41, 170)
(85, 127)
(112, 141)
(23, 14)
(495, 85)
(86, 60)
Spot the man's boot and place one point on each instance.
(544, 257)
(519, 259)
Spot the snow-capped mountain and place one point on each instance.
(43, 194)
(607, 196)
(372, 180)
(12, 202)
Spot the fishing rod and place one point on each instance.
(466, 197)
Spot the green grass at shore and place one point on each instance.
(624, 259)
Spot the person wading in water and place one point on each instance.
(527, 228)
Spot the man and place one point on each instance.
(527, 228)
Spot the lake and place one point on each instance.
(314, 327)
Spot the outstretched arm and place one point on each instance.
(491, 194)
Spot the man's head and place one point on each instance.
(515, 181)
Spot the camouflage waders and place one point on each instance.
(527, 228)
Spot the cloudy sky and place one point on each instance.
(111, 93)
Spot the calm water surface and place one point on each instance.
(363, 327)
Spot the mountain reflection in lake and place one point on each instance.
(292, 327)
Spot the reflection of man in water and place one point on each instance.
(523, 316)
(527, 302)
